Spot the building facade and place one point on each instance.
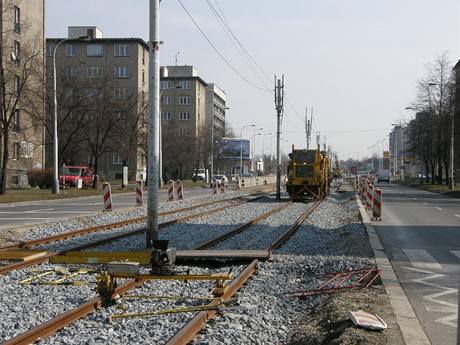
(192, 118)
(102, 88)
(22, 134)
(398, 150)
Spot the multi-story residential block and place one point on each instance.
(103, 85)
(398, 145)
(23, 42)
(192, 113)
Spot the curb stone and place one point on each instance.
(408, 323)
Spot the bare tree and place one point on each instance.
(21, 71)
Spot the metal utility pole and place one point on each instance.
(153, 123)
(308, 126)
(279, 103)
(451, 165)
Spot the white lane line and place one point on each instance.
(420, 258)
(425, 203)
(415, 198)
(456, 253)
(40, 210)
(457, 215)
(25, 218)
(438, 208)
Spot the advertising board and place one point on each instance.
(230, 148)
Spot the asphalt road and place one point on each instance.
(34, 212)
(420, 232)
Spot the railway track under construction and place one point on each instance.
(188, 331)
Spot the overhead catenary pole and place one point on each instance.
(153, 123)
(279, 103)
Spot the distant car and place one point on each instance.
(219, 179)
(247, 175)
(199, 175)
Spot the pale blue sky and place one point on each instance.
(355, 61)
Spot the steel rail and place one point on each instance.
(182, 337)
(45, 258)
(241, 228)
(293, 228)
(79, 232)
(189, 331)
(52, 326)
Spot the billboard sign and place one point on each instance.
(230, 148)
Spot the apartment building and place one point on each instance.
(114, 74)
(398, 147)
(192, 114)
(23, 44)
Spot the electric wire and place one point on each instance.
(217, 50)
(227, 24)
(232, 38)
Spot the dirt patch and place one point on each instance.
(328, 323)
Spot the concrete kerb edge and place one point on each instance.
(408, 323)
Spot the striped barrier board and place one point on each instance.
(107, 196)
(139, 192)
(179, 190)
(377, 205)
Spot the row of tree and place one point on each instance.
(429, 134)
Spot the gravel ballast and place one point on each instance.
(332, 239)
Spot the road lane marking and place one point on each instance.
(438, 208)
(25, 218)
(457, 215)
(415, 198)
(425, 203)
(420, 258)
(456, 253)
(438, 305)
(39, 211)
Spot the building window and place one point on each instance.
(165, 84)
(16, 149)
(94, 50)
(121, 72)
(185, 84)
(166, 116)
(184, 100)
(26, 149)
(70, 50)
(15, 121)
(94, 71)
(121, 50)
(17, 52)
(184, 116)
(71, 71)
(184, 132)
(167, 100)
(16, 82)
(17, 19)
(50, 50)
(121, 93)
(116, 158)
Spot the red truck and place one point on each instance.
(71, 175)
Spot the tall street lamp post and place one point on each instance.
(241, 147)
(55, 185)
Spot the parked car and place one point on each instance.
(71, 175)
(219, 179)
(199, 175)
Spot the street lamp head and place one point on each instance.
(432, 84)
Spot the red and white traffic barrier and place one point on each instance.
(222, 186)
(214, 187)
(237, 183)
(170, 190)
(107, 196)
(369, 192)
(139, 192)
(179, 190)
(377, 205)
